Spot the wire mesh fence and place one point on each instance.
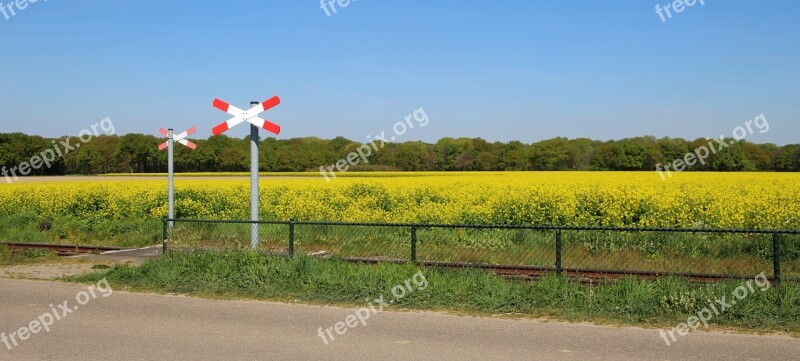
(377, 242)
(487, 246)
(702, 254)
(222, 235)
(668, 252)
(790, 256)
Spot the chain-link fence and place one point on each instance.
(592, 252)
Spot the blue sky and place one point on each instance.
(506, 70)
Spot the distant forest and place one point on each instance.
(138, 153)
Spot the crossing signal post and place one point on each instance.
(251, 116)
(169, 145)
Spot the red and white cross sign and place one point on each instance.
(251, 116)
(180, 138)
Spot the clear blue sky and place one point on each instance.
(502, 70)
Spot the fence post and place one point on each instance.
(413, 243)
(164, 235)
(776, 257)
(291, 237)
(558, 252)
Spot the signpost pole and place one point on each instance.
(254, 184)
(250, 116)
(169, 145)
(171, 176)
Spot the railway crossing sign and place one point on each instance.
(251, 116)
(180, 138)
(171, 139)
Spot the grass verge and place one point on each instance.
(662, 303)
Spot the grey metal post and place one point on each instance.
(171, 176)
(254, 183)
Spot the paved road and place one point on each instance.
(126, 326)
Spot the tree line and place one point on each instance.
(138, 153)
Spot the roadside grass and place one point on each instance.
(661, 303)
(8, 258)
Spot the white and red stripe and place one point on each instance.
(184, 134)
(180, 138)
(188, 144)
(266, 125)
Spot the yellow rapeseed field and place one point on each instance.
(717, 200)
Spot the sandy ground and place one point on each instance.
(78, 265)
(45, 271)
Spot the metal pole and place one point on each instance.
(254, 183)
(171, 177)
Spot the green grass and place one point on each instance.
(662, 303)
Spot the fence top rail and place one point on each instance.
(495, 226)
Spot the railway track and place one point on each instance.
(581, 275)
(60, 249)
